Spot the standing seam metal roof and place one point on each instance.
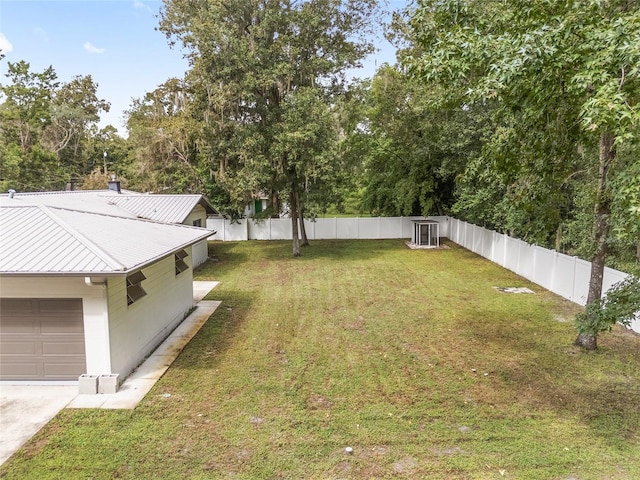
(35, 239)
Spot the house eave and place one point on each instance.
(107, 273)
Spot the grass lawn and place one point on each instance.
(409, 357)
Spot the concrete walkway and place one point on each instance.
(25, 409)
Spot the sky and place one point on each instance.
(114, 41)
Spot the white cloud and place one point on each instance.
(5, 44)
(88, 47)
(139, 4)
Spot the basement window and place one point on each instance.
(134, 287)
(181, 265)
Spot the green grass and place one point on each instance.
(410, 357)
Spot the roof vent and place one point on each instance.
(12, 192)
(114, 185)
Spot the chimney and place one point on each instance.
(114, 185)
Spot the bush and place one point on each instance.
(621, 304)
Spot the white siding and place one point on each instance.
(200, 252)
(200, 249)
(135, 330)
(94, 306)
(198, 213)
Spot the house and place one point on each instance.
(175, 209)
(87, 290)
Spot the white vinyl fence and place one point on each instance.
(320, 229)
(562, 274)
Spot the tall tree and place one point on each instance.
(44, 127)
(569, 63)
(247, 57)
(24, 113)
(75, 107)
(413, 152)
(162, 135)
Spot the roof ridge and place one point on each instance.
(137, 219)
(95, 249)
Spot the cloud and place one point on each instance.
(88, 47)
(5, 44)
(139, 4)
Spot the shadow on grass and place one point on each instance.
(329, 250)
(536, 366)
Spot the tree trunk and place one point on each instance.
(275, 204)
(559, 238)
(303, 231)
(293, 208)
(600, 232)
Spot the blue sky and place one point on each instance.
(114, 41)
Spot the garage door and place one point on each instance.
(41, 339)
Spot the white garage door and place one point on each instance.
(41, 339)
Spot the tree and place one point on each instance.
(247, 57)
(44, 127)
(24, 113)
(413, 152)
(572, 64)
(162, 135)
(74, 108)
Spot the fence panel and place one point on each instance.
(236, 231)
(611, 277)
(281, 228)
(564, 276)
(216, 224)
(499, 246)
(486, 242)
(368, 228)
(259, 230)
(544, 268)
(325, 228)
(390, 227)
(581, 285)
(346, 228)
(526, 260)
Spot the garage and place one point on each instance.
(41, 339)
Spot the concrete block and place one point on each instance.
(87, 384)
(108, 383)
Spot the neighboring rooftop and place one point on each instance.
(161, 208)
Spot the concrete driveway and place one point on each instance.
(25, 409)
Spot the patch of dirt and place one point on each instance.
(514, 290)
(358, 325)
(318, 402)
(406, 466)
(441, 452)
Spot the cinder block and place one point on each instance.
(87, 384)
(108, 383)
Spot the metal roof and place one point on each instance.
(162, 208)
(41, 240)
(86, 201)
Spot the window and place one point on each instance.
(197, 222)
(134, 287)
(181, 265)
